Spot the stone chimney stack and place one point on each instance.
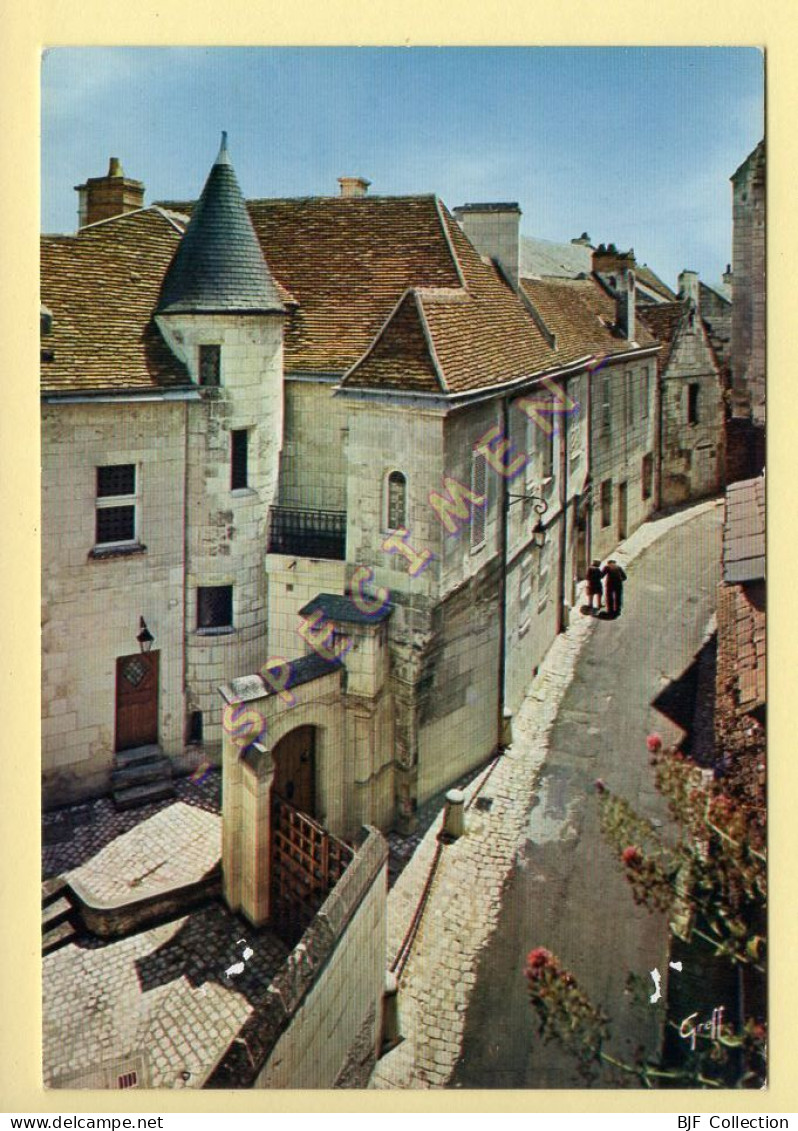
(728, 275)
(494, 231)
(103, 197)
(353, 186)
(583, 240)
(688, 287)
(626, 304)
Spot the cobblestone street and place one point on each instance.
(468, 892)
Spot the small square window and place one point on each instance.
(215, 606)
(210, 365)
(239, 453)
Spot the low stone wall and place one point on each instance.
(324, 1008)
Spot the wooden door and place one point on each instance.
(622, 508)
(294, 769)
(136, 700)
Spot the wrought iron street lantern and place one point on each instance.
(145, 637)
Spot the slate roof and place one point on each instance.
(338, 608)
(101, 286)
(547, 257)
(219, 266)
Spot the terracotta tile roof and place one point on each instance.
(650, 279)
(741, 645)
(664, 320)
(457, 339)
(102, 286)
(744, 531)
(347, 261)
(582, 315)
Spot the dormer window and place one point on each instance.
(210, 365)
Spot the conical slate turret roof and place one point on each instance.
(219, 267)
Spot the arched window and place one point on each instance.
(396, 501)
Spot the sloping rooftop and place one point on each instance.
(101, 287)
(744, 531)
(664, 320)
(219, 265)
(541, 258)
(474, 336)
(582, 315)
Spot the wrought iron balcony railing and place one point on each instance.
(308, 533)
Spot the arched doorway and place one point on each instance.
(294, 759)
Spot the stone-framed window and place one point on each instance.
(606, 502)
(116, 522)
(692, 402)
(646, 393)
(572, 427)
(524, 592)
(547, 441)
(214, 608)
(647, 476)
(606, 407)
(239, 459)
(479, 487)
(629, 397)
(210, 365)
(396, 501)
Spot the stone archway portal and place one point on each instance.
(294, 759)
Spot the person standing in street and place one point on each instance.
(594, 586)
(614, 578)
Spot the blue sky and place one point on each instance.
(634, 146)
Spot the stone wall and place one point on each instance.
(324, 1008)
(748, 282)
(618, 450)
(313, 467)
(91, 605)
(227, 529)
(293, 582)
(692, 454)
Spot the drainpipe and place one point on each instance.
(563, 493)
(502, 516)
(589, 469)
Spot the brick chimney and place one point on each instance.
(688, 286)
(103, 197)
(494, 231)
(625, 301)
(353, 186)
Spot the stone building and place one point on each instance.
(691, 427)
(324, 443)
(748, 286)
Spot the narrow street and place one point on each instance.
(566, 892)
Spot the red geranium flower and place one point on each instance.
(654, 743)
(538, 957)
(632, 857)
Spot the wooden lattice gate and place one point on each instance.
(306, 862)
